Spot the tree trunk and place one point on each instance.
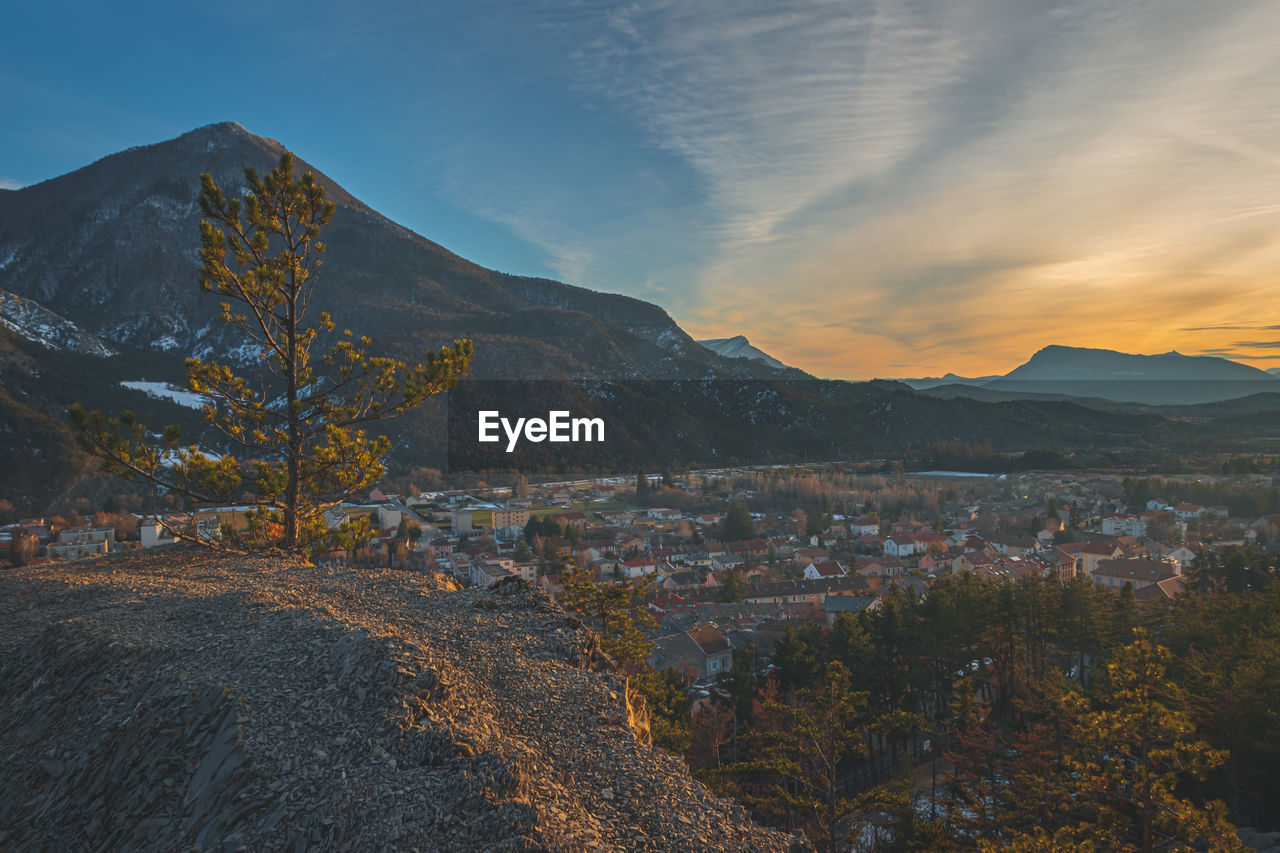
(293, 490)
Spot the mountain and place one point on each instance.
(1166, 379)
(108, 253)
(1062, 363)
(739, 347)
(113, 248)
(177, 700)
(1274, 371)
(929, 382)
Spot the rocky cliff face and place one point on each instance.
(40, 325)
(189, 701)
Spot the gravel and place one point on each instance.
(178, 699)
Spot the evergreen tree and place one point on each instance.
(799, 754)
(1139, 748)
(299, 424)
(733, 589)
(737, 524)
(667, 696)
(642, 489)
(612, 609)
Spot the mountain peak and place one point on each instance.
(229, 131)
(739, 347)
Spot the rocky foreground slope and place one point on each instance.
(183, 700)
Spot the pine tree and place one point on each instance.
(298, 425)
(737, 524)
(611, 609)
(799, 752)
(642, 489)
(733, 589)
(1138, 747)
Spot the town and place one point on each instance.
(725, 560)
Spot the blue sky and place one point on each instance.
(863, 189)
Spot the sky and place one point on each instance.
(863, 189)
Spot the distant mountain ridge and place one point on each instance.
(1080, 373)
(1060, 363)
(925, 382)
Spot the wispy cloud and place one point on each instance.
(1230, 328)
(1239, 356)
(961, 183)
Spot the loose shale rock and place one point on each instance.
(182, 700)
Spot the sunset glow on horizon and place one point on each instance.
(861, 189)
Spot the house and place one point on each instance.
(159, 531)
(567, 519)
(1068, 563)
(748, 548)
(509, 516)
(590, 550)
(818, 571)
(639, 567)
(1182, 555)
(806, 556)
(460, 566)
(1163, 590)
(616, 516)
(1114, 574)
(870, 543)
(389, 515)
(702, 652)
(882, 567)
(668, 602)
(900, 546)
(662, 513)
(1012, 546)
(78, 543)
(1090, 554)
(440, 548)
(491, 570)
(834, 605)
(864, 527)
(1032, 565)
(804, 592)
(1186, 511)
(783, 546)
(937, 561)
(1122, 524)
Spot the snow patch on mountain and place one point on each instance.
(34, 322)
(165, 391)
(739, 347)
